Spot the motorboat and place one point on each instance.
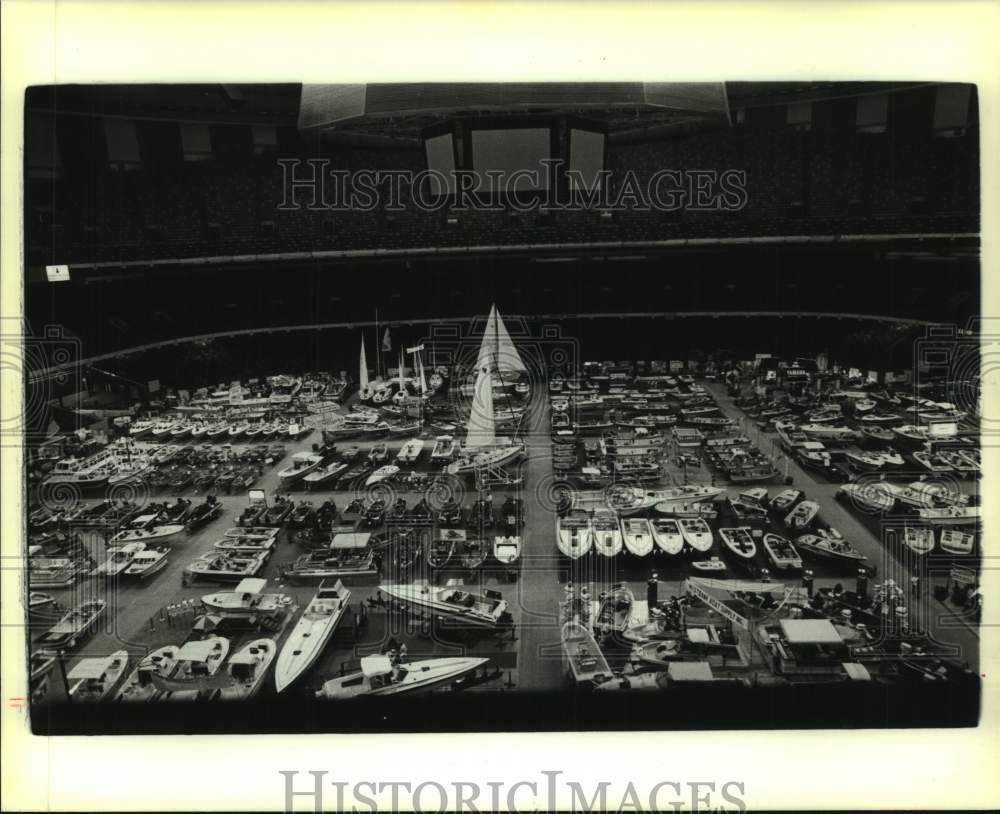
(959, 462)
(950, 515)
(746, 509)
(574, 533)
(473, 551)
(118, 559)
(512, 513)
(237, 429)
(197, 662)
(874, 496)
(162, 429)
(739, 541)
(138, 429)
(276, 514)
(302, 464)
(928, 495)
(445, 448)
(615, 609)
(630, 499)
(55, 572)
(225, 566)
(454, 602)
(607, 532)
(40, 603)
(953, 541)
(830, 544)
(203, 514)
(139, 686)
(74, 625)
(93, 679)
(637, 536)
(40, 664)
(781, 552)
(697, 533)
(784, 500)
(667, 534)
(410, 451)
(865, 461)
(829, 434)
(933, 462)
(246, 600)
(311, 634)
(381, 675)
(442, 546)
(381, 474)
(147, 529)
(325, 474)
(712, 564)
(583, 657)
(802, 515)
(247, 669)
(506, 550)
(472, 461)
(918, 540)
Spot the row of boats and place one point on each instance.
(177, 429)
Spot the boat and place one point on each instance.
(40, 663)
(380, 675)
(784, 500)
(445, 448)
(864, 461)
(829, 434)
(161, 430)
(710, 565)
(880, 419)
(960, 462)
(226, 566)
(348, 554)
(781, 552)
(203, 513)
(614, 611)
(73, 626)
(381, 474)
(379, 453)
(802, 515)
(410, 451)
(697, 533)
(637, 536)
(874, 496)
(473, 551)
(933, 462)
(197, 662)
(55, 572)
(829, 544)
(246, 600)
(487, 610)
(739, 541)
(93, 679)
(953, 541)
(875, 434)
(247, 669)
(118, 559)
(442, 547)
(950, 515)
(40, 603)
(667, 534)
(918, 540)
(302, 464)
(311, 634)
(574, 533)
(607, 532)
(583, 657)
(506, 550)
(139, 686)
(146, 562)
(147, 529)
(324, 474)
(276, 514)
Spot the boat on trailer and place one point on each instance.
(380, 675)
(781, 552)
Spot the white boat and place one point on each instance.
(488, 609)
(739, 541)
(445, 448)
(873, 496)
(247, 669)
(410, 451)
(506, 550)
(246, 600)
(574, 534)
(802, 515)
(326, 473)
(953, 541)
(197, 662)
(781, 552)
(829, 434)
(637, 536)
(829, 544)
(696, 533)
(583, 657)
(473, 460)
(918, 540)
(226, 566)
(252, 541)
(615, 610)
(145, 529)
(784, 500)
(302, 464)
(139, 686)
(711, 564)
(379, 675)
(119, 557)
(607, 531)
(630, 499)
(950, 515)
(161, 430)
(311, 633)
(381, 474)
(933, 463)
(97, 677)
(667, 534)
(74, 625)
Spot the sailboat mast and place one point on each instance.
(378, 346)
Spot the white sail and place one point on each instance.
(363, 372)
(497, 351)
(482, 431)
(402, 383)
(423, 378)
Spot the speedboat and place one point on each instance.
(607, 532)
(473, 461)
(830, 544)
(139, 686)
(506, 550)
(348, 555)
(146, 562)
(381, 474)
(445, 448)
(74, 625)
(953, 541)
(95, 678)
(667, 534)
(781, 552)
(197, 662)
(696, 533)
(628, 500)
(247, 669)
(933, 462)
(380, 675)
(246, 601)
(950, 515)
(325, 474)
(311, 633)
(226, 567)
(583, 657)
(802, 515)
(784, 500)
(473, 551)
(873, 496)
(637, 536)
(488, 609)
(410, 451)
(739, 541)
(712, 564)
(918, 540)
(442, 547)
(574, 533)
(302, 464)
(614, 611)
(118, 559)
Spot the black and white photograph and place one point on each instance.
(462, 407)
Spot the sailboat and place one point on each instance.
(497, 356)
(365, 391)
